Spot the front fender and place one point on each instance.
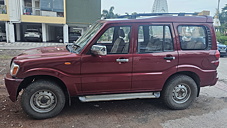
(72, 82)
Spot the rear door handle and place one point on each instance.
(122, 60)
(169, 58)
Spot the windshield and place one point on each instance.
(84, 39)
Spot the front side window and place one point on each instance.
(192, 37)
(116, 39)
(154, 38)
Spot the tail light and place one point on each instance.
(217, 54)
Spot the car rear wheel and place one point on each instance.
(43, 99)
(179, 92)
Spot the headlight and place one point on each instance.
(14, 69)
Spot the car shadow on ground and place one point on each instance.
(137, 106)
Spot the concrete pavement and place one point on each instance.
(213, 119)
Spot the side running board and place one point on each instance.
(124, 96)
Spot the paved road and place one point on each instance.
(213, 119)
(222, 69)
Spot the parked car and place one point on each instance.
(33, 35)
(222, 49)
(2, 35)
(117, 60)
(73, 36)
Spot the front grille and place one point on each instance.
(223, 48)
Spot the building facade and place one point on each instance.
(48, 20)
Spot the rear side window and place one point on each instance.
(192, 37)
(154, 38)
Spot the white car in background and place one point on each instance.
(33, 35)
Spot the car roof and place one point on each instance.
(175, 19)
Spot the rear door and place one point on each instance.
(155, 58)
(197, 50)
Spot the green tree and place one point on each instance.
(109, 14)
(223, 20)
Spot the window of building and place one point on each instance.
(3, 9)
(192, 37)
(154, 38)
(2, 2)
(52, 5)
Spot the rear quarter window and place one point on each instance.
(193, 37)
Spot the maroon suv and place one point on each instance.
(166, 56)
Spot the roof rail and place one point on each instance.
(134, 16)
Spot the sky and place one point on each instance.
(145, 6)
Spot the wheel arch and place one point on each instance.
(28, 80)
(193, 75)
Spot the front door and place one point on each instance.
(155, 58)
(110, 73)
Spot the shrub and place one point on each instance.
(225, 42)
(222, 39)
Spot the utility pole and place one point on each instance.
(218, 8)
(216, 18)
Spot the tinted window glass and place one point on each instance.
(154, 39)
(192, 37)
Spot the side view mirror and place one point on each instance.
(99, 50)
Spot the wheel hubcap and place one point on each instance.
(43, 101)
(181, 93)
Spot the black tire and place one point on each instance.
(43, 99)
(179, 92)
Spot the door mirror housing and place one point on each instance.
(99, 50)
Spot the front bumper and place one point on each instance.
(32, 38)
(12, 86)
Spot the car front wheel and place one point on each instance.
(42, 99)
(179, 92)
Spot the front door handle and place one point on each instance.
(169, 58)
(122, 60)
